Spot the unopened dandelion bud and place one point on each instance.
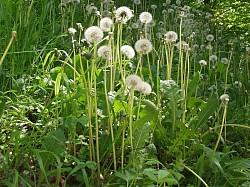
(224, 99)
(72, 31)
(87, 55)
(80, 27)
(56, 52)
(202, 62)
(14, 35)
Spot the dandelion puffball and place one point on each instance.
(128, 51)
(105, 24)
(210, 37)
(132, 81)
(123, 14)
(93, 34)
(143, 46)
(170, 37)
(144, 88)
(145, 17)
(104, 52)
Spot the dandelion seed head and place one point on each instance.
(168, 2)
(137, 2)
(170, 37)
(210, 37)
(183, 45)
(135, 25)
(144, 88)
(93, 34)
(164, 12)
(213, 58)
(151, 24)
(178, 2)
(106, 24)
(145, 17)
(91, 9)
(104, 52)
(143, 46)
(128, 51)
(106, 13)
(209, 47)
(170, 10)
(224, 61)
(132, 81)
(154, 7)
(123, 14)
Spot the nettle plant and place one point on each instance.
(131, 101)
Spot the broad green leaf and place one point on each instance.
(171, 181)
(90, 165)
(121, 176)
(151, 173)
(54, 142)
(162, 174)
(207, 111)
(119, 105)
(78, 167)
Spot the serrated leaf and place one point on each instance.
(141, 132)
(150, 107)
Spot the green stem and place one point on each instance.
(221, 129)
(195, 174)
